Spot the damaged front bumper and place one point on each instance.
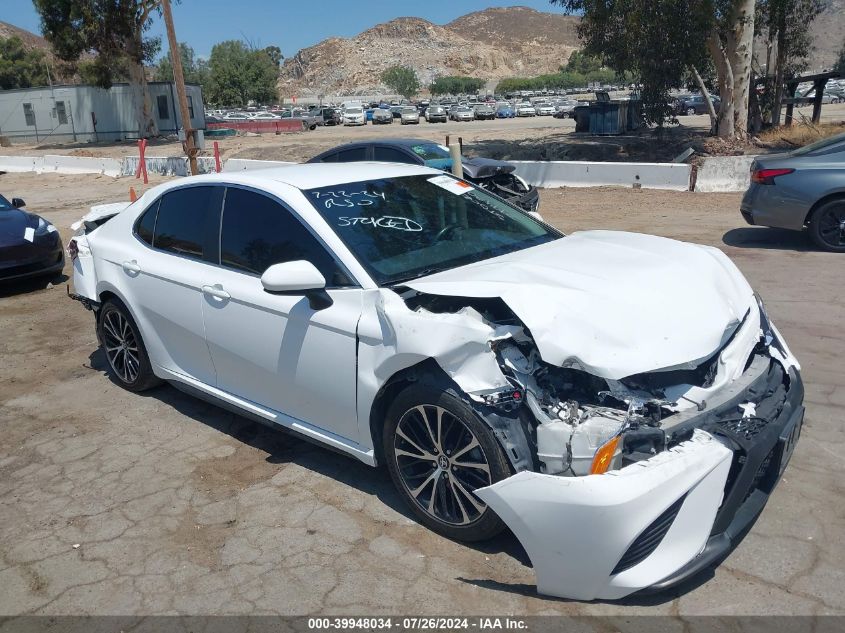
(655, 523)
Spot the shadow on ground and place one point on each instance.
(33, 284)
(284, 447)
(766, 238)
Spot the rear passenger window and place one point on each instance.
(257, 232)
(352, 155)
(184, 217)
(146, 225)
(392, 155)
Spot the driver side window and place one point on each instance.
(257, 232)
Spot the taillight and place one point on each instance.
(72, 250)
(767, 176)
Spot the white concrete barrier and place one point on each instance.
(19, 164)
(166, 165)
(81, 165)
(243, 164)
(551, 174)
(724, 173)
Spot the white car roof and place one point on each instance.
(311, 175)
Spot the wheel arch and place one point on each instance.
(510, 428)
(833, 195)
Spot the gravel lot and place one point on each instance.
(117, 503)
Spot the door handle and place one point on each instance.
(131, 267)
(216, 291)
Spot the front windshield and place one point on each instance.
(403, 228)
(354, 111)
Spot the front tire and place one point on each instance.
(128, 361)
(690, 111)
(438, 451)
(827, 226)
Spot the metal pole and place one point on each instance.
(179, 77)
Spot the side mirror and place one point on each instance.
(18, 203)
(297, 278)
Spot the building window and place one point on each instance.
(190, 106)
(163, 110)
(29, 113)
(61, 113)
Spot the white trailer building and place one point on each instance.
(90, 114)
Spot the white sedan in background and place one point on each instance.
(525, 109)
(505, 374)
(264, 116)
(354, 116)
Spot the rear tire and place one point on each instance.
(438, 451)
(827, 226)
(129, 363)
(690, 111)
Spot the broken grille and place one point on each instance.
(747, 428)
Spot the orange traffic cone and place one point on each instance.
(132, 195)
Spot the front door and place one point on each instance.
(275, 350)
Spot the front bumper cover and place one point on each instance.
(656, 523)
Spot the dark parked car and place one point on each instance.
(29, 245)
(695, 104)
(331, 116)
(801, 189)
(496, 176)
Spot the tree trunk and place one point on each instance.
(707, 100)
(724, 73)
(740, 40)
(779, 69)
(141, 100)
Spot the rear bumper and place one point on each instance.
(775, 206)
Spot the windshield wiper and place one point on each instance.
(421, 273)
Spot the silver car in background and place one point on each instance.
(462, 113)
(801, 189)
(408, 115)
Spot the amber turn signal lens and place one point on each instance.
(603, 456)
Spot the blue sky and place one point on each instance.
(288, 24)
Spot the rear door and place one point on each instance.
(162, 275)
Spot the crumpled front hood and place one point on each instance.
(614, 304)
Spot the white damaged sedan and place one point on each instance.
(620, 401)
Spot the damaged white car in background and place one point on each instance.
(620, 401)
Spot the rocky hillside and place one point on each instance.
(490, 44)
(30, 40)
(828, 31)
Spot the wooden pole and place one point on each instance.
(179, 79)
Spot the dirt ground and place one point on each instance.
(157, 503)
(533, 138)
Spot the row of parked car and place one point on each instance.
(357, 113)
(405, 114)
(691, 104)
